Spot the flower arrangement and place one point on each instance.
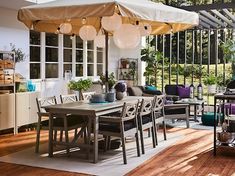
(80, 86)
(120, 87)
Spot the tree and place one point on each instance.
(154, 60)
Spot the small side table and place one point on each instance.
(195, 103)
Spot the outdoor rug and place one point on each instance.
(110, 162)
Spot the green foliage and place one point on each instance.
(210, 79)
(229, 50)
(111, 80)
(154, 60)
(19, 54)
(221, 81)
(80, 84)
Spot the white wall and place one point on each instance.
(116, 53)
(13, 31)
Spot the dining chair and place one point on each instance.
(146, 121)
(158, 114)
(68, 98)
(43, 117)
(122, 126)
(64, 123)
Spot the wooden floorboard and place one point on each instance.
(192, 156)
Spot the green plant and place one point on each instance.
(111, 80)
(154, 60)
(19, 54)
(80, 85)
(210, 79)
(228, 48)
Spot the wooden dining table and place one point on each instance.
(91, 111)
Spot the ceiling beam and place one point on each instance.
(212, 18)
(229, 14)
(216, 12)
(206, 20)
(207, 7)
(204, 25)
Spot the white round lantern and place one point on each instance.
(127, 37)
(145, 29)
(87, 32)
(65, 28)
(100, 40)
(111, 23)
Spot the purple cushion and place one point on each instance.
(183, 92)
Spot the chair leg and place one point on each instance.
(124, 149)
(61, 135)
(149, 134)
(66, 135)
(137, 143)
(38, 135)
(155, 131)
(142, 140)
(75, 131)
(164, 129)
(55, 135)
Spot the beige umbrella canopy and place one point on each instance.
(163, 19)
(49, 16)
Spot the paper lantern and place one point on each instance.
(145, 29)
(100, 40)
(65, 28)
(87, 32)
(127, 36)
(111, 23)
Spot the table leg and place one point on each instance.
(195, 113)
(50, 147)
(95, 144)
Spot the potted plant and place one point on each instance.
(79, 86)
(120, 88)
(210, 81)
(19, 54)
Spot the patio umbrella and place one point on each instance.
(162, 19)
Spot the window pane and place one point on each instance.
(99, 49)
(99, 57)
(90, 70)
(67, 41)
(79, 70)
(79, 56)
(35, 71)
(34, 38)
(51, 39)
(51, 70)
(99, 69)
(90, 56)
(51, 54)
(34, 54)
(79, 42)
(67, 55)
(90, 45)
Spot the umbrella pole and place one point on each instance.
(106, 61)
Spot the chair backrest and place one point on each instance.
(87, 95)
(158, 103)
(145, 107)
(68, 98)
(129, 111)
(45, 102)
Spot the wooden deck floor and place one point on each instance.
(191, 156)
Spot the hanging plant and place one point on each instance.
(19, 54)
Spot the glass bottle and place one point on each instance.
(191, 91)
(199, 91)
